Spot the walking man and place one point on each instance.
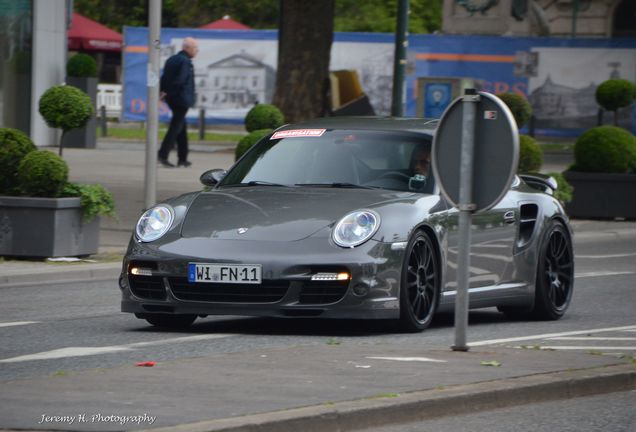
(177, 88)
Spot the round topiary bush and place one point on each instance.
(519, 106)
(606, 149)
(14, 145)
(615, 93)
(249, 140)
(65, 107)
(42, 174)
(530, 155)
(263, 116)
(81, 65)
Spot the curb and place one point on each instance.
(619, 234)
(66, 273)
(427, 404)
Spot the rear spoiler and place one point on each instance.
(542, 182)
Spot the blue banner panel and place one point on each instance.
(558, 76)
(236, 69)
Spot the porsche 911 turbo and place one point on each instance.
(333, 218)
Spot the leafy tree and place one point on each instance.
(381, 15)
(350, 15)
(304, 46)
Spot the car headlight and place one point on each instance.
(154, 223)
(356, 228)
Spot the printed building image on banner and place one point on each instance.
(228, 81)
(235, 70)
(563, 91)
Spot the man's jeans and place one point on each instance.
(177, 131)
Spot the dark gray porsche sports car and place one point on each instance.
(341, 218)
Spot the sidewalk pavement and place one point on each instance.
(327, 387)
(119, 165)
(319, 387)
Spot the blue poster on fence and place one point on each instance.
(437, 98)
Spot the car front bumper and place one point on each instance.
(287, 288)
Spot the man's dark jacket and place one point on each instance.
(177, 80)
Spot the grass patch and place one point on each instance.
(384, 396)
(553, 146)
(140, 134)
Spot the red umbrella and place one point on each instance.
(226, 23)
(90, 35)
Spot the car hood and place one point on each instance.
(276, 214)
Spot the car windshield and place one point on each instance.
(337, 158)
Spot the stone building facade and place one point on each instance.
(557, 18)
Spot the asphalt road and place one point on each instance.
(78, 326)
(613, 412)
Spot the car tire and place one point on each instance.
(420, 284)
(170, 321)
(555, 273)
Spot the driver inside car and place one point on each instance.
(420, 168)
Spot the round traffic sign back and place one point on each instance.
(496, 151)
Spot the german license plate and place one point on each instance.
(224, 273)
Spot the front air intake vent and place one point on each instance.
(268, 292)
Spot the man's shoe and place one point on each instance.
(166, 163)
(184, 164)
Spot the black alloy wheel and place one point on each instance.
(555, 274)
(419, 291)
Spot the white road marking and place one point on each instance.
(17, 323)
(605, 256)
(587, 338)
(550, 335)
(602, 273)
(89, 351)
(586, 348)
(408, 359)
(66, 352)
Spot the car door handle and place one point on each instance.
(509, 217)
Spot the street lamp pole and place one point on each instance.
(399, 60)
(152, 113)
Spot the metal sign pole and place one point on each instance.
(466, 208)
(152, 114)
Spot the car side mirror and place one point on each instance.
(212, 177)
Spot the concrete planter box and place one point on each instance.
(602, 195)
(45, 227)
(85, 137)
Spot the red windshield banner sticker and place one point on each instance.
(298, 133)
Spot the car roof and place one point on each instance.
(417, 125)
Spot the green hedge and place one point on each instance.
(14, 146)
(530, 155)
(606, 149)
(94, 199)
(564, 189)
(263, 116)
(42, 174)
(519, 106)
(81, 65)
(615, 93)
(65, 107)
(249, 140)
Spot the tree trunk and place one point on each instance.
(304, 47)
